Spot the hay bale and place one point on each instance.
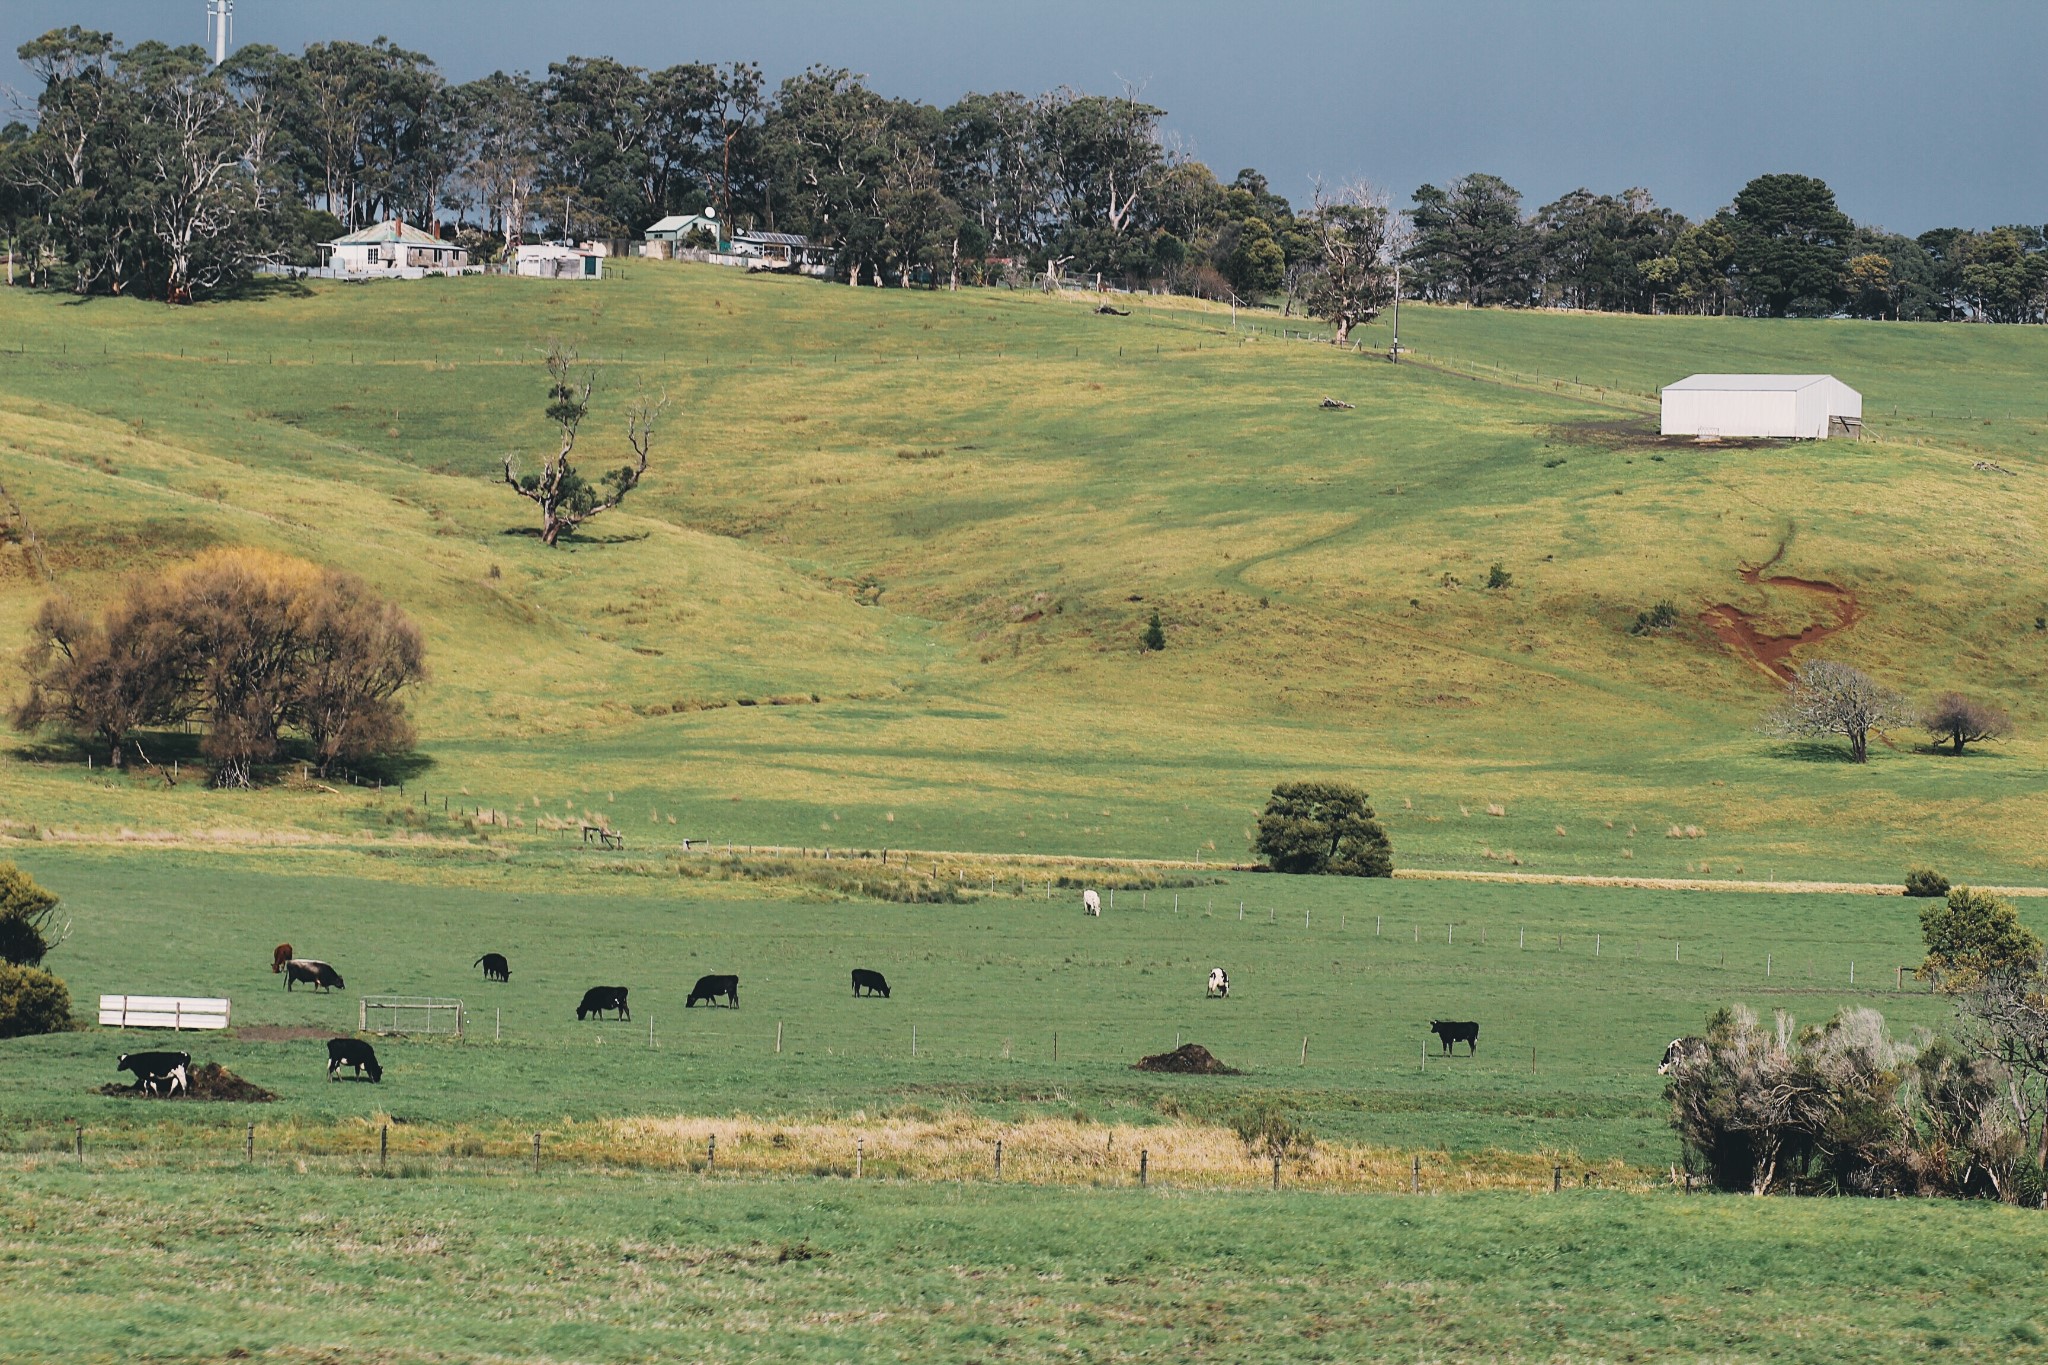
(1189, 1059)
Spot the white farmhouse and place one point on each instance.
(394, 250)
(1808, 407)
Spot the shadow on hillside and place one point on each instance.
(258, 288)
(1642, 433)
(1813, 751)
(575, 538)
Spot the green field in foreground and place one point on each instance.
(932, 527)
(985, 985)
(273, 1264)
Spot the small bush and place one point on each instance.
(1498, 576)
(1269, 1129)
(1663, 616)
(1155, 635)
(1925, 881)
(32, 1001)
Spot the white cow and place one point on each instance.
(1219, 982)
(1091, 904)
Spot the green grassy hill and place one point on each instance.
(933, 526)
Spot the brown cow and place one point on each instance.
(280, 955)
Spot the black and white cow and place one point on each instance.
(171, 1083)
(149, 1066)
(1219, 983)
(496, 968)
(353, 1052)
(598, 999)
(1679, 1051)
(312, 971)
(709, 988)
(1452, 1031)
(874, 983)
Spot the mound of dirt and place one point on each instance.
(1189, 1059)
(208, 1081)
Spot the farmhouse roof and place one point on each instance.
(773, 238)
(1751, 383)
(392, 231)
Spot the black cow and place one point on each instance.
(1449, 1032)
(153, 1066)
(313, 972)
(353, 1052)
(873, 982)
(495, 967)
(709, 988)
(598, 999)
(1681, 1050)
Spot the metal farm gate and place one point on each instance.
(409, 1014)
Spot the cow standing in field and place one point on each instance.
(1681, 1050)
(280, 955)
(709, 988)
(598, 999)
(149, 1068)
(872, 982)
(313, 972)
(1219, 984)
(496, 968)
(170, 1083)
(1452, 1031)
(1091, 904)
(353, 1052)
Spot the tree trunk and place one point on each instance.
(1343, 331)
(1859, 746)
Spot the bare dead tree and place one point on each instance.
(1353, 275)
(1956, 720)
(1827, 698)
(566, 499)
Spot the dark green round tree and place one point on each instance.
(1323, 827)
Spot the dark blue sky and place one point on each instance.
(1919, 114)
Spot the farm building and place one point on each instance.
(779, 251)
(553, 261)
(394, 250)
(1809, 407)
(678, 228)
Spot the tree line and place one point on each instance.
(150, 170)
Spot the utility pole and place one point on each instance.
(220, 22)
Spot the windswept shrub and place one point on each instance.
(32, 1001)
(1925, 881)
(25, 913)
(1323, 827)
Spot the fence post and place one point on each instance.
(1415, 1174)
(1596, 945)
(1375, 926)
(999, 1158)
(249, 1144)
(1304, 1049)
(1767, 966)
(1276, 1170)
(1556, 1179)
(536, 1153)
(778, 1037)
(650, 1033)
(1898, 979)
(913, 1040)
(859, 1155)
(1144, 1157)
(78, 1142)
(383, 1146)
(1852, 971)
(1425, 1056)
(711, 1154)
(498, 1029)
(1055, 1044)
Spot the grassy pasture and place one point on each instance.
(947, 518)
(120, 1264)
(985, 984)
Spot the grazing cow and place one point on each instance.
(150, 1066)
(598, 999)
(312, 971)
(1681, 1050)
(168, 1084)
(1219, 983)
(1091, 904)
(280, 955)
(1450, 1032)
(872, 982)
(709, 988)
(496, 968)
(353, 1052)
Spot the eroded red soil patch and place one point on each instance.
(1771, 654)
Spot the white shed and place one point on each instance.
(553, 261)
(1797, 406)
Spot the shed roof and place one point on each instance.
(1751, 383)
(773, 238)
(391, 231)
(675, 222)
